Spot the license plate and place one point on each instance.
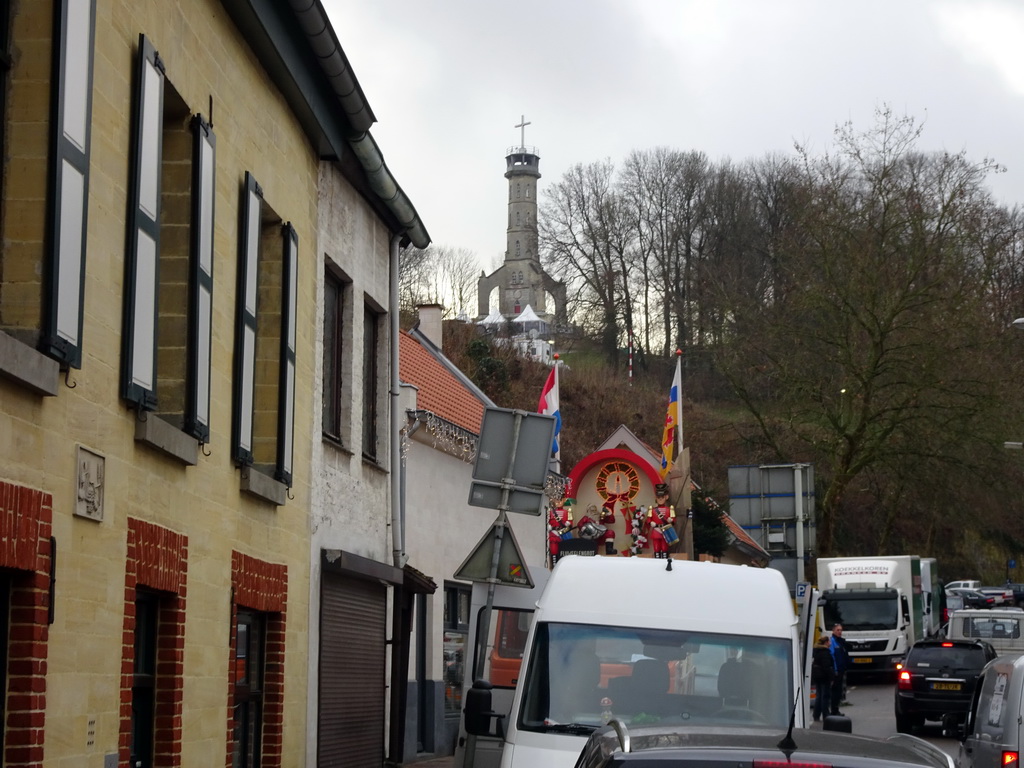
(862, 659)
(946, 686)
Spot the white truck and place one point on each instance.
(637, 639)
(931, 598)
(878, 601)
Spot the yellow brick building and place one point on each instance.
(159, 276)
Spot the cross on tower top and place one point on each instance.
(522, 133)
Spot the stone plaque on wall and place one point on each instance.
(89, 498)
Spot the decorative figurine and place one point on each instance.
(559, 527)
(660, 519)
(637, 525)
(588, 527)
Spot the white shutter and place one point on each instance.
(197, 406)
(245, 324)
(286, 406)
(142, 260)
(74, 42)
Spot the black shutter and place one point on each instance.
(69, 180)
(142, 272)
(197, 402)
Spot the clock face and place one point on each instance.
(617, 478)
(518, 294)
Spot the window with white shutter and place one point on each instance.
(265, 339)
(168, 298)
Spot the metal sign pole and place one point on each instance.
(507, 482)
(499, 534)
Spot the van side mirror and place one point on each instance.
(479, 712)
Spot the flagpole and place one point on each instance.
(679, 405)
(558, 453)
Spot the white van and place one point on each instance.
(644, 641)
(1000, 627)
(993, 732)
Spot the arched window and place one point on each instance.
(517, 218)
(527, 191)
(517, 190)
(517, 247)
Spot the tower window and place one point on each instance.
(517, 218)
(517, 247)
(518, 194)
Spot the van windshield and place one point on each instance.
(994, 627)
(581, 675)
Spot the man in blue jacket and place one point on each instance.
(841, 660)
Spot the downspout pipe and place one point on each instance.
(397, 481)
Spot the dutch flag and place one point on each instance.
(548, 406)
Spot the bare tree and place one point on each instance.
(438, 275)
(872, 347)
(586, 238)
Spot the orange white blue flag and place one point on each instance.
(673, 419)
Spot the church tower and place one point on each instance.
(520, 281)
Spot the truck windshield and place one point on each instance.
(582, 675)
(862, 613)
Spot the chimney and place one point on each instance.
(430, 323)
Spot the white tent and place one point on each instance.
(495, 318)
(527, 316)
(527, 321)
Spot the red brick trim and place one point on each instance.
(261, 586)
(157, 558)
(26, 517)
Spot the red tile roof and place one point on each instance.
(737, 530)
(440, 391)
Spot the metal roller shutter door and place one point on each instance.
(352, 649)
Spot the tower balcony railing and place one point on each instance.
(521, 151)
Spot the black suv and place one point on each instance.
(936, 681)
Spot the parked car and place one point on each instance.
(1018, 593)
(661, 746)
(965, 584)
(973, 598)
(1001, 595)
(937, 680)
(993, 735)
(954, 602)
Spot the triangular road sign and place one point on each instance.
(511, 569)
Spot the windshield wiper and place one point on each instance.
(577, 729)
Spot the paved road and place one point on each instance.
(870, 709)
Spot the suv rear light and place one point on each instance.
(903, 681)
(1011, 759)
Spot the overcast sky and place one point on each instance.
(449, 79)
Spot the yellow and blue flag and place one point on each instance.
(673, 419)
